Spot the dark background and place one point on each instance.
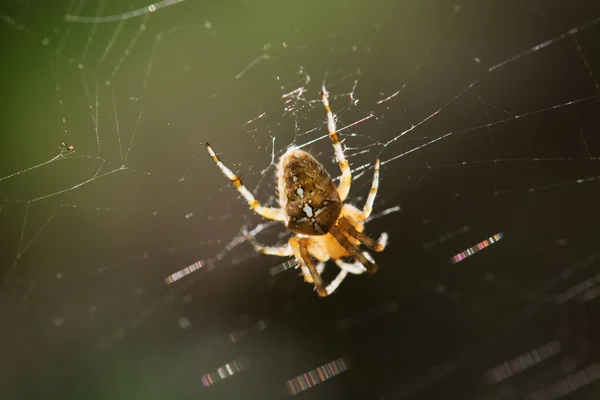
(504, 138)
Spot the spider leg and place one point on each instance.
(372, 193)
(306, 259)
(306, 273)
(281, 251)
(383, 240)
(336, 282)
(369, 257)
(353, 250)
(276, 214)
(355, 268)
(375, 245)
(346, 180)
(333, 285)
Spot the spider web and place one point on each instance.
(124, 263)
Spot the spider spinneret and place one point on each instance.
(313, 208)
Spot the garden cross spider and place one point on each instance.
(313, 208)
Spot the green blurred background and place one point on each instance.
(478, 130)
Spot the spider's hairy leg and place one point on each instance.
(355, 268)
(346, 180)
(306, 273)
(376, 245)
(333, 285)
(276, 214)
(372, 194)
(281, 251)
(352, 268)
(336, 282)
(353, 250)
(306, 259)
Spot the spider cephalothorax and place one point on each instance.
(313, 208)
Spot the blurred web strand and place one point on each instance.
(447, 236)
(201, 263)
(127, 52)
(591, 294)
(184, 272)
(568, 385)
(502, 64)
(225, 371)
(94, 112)
(316, 376)
(339, 130)
(509, 160)
(522, 362)
(478, 247)
(284, 266)
(433, 114)
(491, 137)
(238, 335)
(547, 43)
(58, 157)
(70, 8)
(22, 249)
(587, 148)
(117, 127)
(93, 30)
(578, 289)
(568, 272)
(124, 16)
(442, 370)
(512, 118)
(96, 176)
(110, 44)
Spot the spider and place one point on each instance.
(66, 147)
(313, 209)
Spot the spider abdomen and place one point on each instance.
(307, 194)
